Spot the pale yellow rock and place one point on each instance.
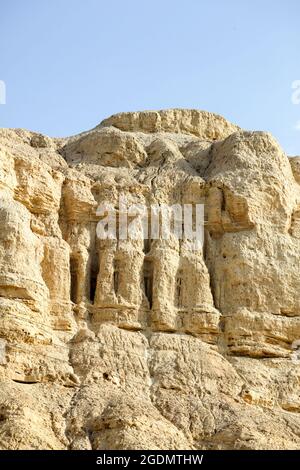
(185, 121)
(149, 345)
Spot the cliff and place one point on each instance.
(122, 344)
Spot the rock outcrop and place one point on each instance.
(127, 344)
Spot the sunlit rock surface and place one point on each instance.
(127, 344)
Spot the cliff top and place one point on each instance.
(201, 124)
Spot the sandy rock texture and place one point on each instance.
(127, 344)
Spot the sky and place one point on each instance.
(67, 64)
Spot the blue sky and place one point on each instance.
(67, 64)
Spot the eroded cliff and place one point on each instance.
(122, 344)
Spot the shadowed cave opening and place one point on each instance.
(178, 289)
(148, 281)
(116, 276)
(147, 245)
(93, 276)
(74, 279)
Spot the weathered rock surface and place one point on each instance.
(115, 344)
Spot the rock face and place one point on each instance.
(122, 344)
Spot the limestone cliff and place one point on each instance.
(121, 344)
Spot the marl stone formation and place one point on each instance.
(122, 344)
